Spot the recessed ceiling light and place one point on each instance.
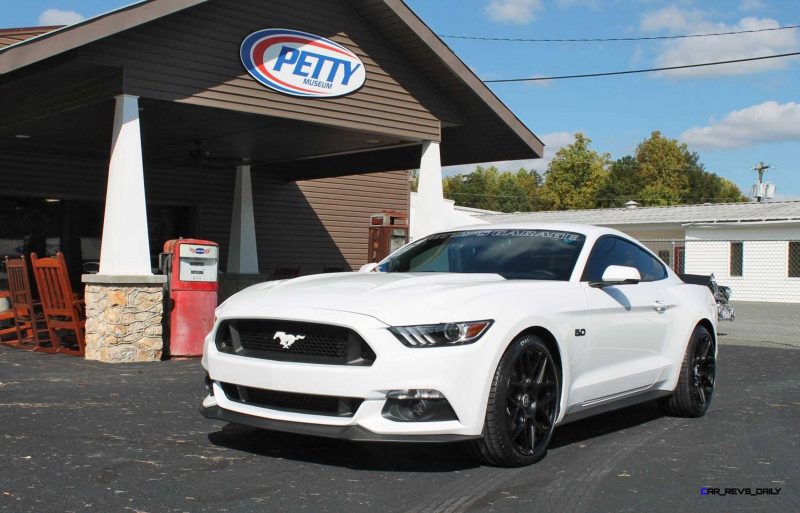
(52, 200)
(372, 141)
(22, 136)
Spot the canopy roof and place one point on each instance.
(475, 126)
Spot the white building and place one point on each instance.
(752, 247)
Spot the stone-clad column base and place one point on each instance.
(124, 318)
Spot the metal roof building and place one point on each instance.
(671, 216)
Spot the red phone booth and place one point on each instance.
(191, 293)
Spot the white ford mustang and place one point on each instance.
(494, 334)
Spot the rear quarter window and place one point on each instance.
(611, 250)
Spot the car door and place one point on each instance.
(627, 324)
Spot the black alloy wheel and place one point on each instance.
(523, 406)
(703, 369)
(695, 388)
(530, 410)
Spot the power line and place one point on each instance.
(649, 70)
(607, 39)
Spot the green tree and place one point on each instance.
(624, 183)
(705, 187)
(729, 192)
(662, 172)
(489, 189)
(575, 176)
(476, 189)
(663, 165)
(531, 182)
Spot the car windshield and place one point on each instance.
(513, 254)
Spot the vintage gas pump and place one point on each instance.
(388, 231)
(191, 293)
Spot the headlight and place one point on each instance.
(445, 334)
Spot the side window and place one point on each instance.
(737, 258)
(649, 266)
(794, 259)
(615, 251)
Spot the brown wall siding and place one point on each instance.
(314, 223)
(193, 57)
(324, 222)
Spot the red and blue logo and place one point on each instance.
(302, 64)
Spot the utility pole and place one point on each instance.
(760, 168)
(760, 192)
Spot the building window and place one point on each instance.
(680, 261)
(737, 258)
(794, 259)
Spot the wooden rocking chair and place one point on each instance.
(29, 322)
(62, 310)
(7, 315)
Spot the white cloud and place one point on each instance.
(671, 18)
(765, 122)
(518, 12)
(751, 5)
(553, 142)
(58, 17)
(721, 48)
(592, 4)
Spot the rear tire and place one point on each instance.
(522, 407)
(695, 388)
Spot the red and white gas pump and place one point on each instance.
(191, 289)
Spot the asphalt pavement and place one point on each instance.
(763, 324)
(81, 436)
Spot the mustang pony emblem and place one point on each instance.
(286, 339)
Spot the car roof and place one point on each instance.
(589, 230)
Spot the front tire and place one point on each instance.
(695, 388)
(522, 407)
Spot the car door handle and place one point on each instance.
(659, 306)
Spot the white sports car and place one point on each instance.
(493, 334)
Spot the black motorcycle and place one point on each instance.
(722, 294)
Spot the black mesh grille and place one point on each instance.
(294, 341)
(287, 401)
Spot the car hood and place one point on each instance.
(393, 298)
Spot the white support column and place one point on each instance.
(243, 252)
(125, 249)
(429, 209)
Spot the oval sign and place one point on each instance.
(302, 64)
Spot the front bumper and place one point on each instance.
(462, 374)
(351, 432)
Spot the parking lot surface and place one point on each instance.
(84, 436)
(763, 324)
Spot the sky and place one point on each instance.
(733, 116)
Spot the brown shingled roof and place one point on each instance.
(13, 36)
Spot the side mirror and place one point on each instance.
(618, 275)
(368, 268)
